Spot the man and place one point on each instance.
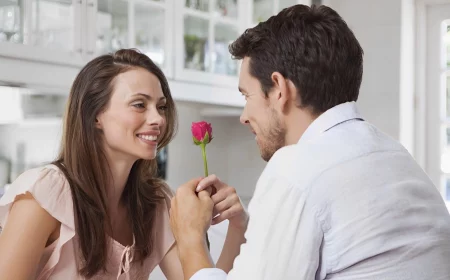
(338, 199)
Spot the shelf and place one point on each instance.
(221, 112)
(209, 94)
(227, 21)
(50, 121)
(197, 13)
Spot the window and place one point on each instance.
(445, 96)
(437, 97)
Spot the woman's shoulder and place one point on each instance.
(48, 186)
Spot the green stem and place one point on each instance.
(205, 164)
(205, 161)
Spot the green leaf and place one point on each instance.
(196, 142)
(206, 138)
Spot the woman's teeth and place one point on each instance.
(148, 137)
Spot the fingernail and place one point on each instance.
(198, 188)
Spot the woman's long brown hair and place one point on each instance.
(82, 160)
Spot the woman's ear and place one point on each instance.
(98, 123)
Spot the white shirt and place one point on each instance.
(345, 202)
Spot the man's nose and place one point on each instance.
(244, 119)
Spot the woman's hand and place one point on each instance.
(227, 204)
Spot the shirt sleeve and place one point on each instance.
(283, 236)
(209, 274)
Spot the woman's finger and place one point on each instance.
(211, 180)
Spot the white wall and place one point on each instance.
(379, 27)
(41, 143)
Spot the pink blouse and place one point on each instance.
(51, 190)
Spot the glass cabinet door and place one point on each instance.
(44, 23)
(112, 26)
(149, 31)
(222, 62)
(200, 5)
(282, 4)
(226, 8)
(196, 52)
(140, 24)
(262, 10)
(52, 24)
(207, 28)
(12, 21)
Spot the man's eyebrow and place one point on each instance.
(242, 90)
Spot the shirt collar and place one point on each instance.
(331, 118)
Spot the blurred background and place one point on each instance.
(44, 43)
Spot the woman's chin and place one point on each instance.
(148, 156)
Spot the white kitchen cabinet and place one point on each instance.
(44, 43)
(203, 31)
(142, 24)
(42, 30)
(261, 10)
(71, 32)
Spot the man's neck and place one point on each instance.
(297, 122)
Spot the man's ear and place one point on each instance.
(281, 91)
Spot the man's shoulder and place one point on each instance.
(303, 162)
(292, 165)
(283, 160)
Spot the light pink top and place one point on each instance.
(51, 190)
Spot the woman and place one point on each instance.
(98, 211)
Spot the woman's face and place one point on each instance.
(135, 118)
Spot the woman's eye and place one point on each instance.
(163, 108)
(139, 105)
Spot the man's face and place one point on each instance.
(259, 114)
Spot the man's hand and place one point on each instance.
(190, 218)
(227, 204)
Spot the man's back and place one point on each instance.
(364, 209)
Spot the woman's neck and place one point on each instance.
(120, 171)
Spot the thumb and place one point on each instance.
(204, 195)
(192, 184)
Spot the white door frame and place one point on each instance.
(431, 116)
(422, 101)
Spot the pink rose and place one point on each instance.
(201, 132)
(202, 135)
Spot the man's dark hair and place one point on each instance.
(311, 46)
